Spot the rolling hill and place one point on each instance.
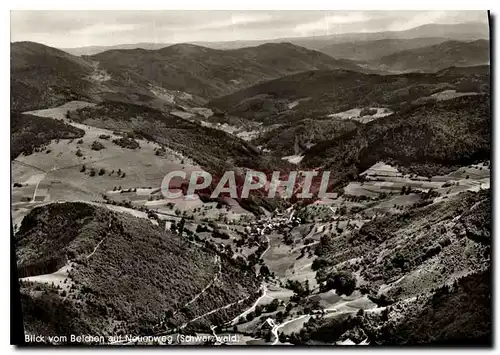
(289, 58)
(427, 139)
(437, 57)
(440, 256)
(213, 149)
(210, 73)
(43, 76)
(371, 50)
(168, 78)
(316, 94)
(461, 32)
(29, 133)
(91, 50)
(116, 274)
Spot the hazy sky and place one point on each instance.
(67, 29)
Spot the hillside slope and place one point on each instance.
(43, 76)
(437, 57)
(213, 149)
(370, 50)
(167, 78)
(428, 269)
(296, 137)
(428, 139)
(157, 271)
(288, 58)
(316, 94)
(210, 73)
(29, 133)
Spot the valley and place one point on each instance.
(398, 254)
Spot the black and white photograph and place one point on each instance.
(268, 178)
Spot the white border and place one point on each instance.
(193, 5)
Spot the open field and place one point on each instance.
(356, 114)
(294, 159)
(58, 278)
(451, 94)
(59, 175)
(382, 178)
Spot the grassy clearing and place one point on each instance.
(358, 114)
(64, 179)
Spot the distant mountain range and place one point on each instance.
(460, 32)
(436, 57)
(43, 76)
(374, 49)
(427, 48)
(210, 72)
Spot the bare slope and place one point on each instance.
(212, 149)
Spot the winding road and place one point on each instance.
(216, 277)
(268, 246)
(263, 287)
(275, 326)
(98, 244)
(213, 311)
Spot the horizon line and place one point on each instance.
(263, 39)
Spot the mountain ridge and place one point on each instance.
(43, 76)
(437, 57)
(324, 92)
(470, 30)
